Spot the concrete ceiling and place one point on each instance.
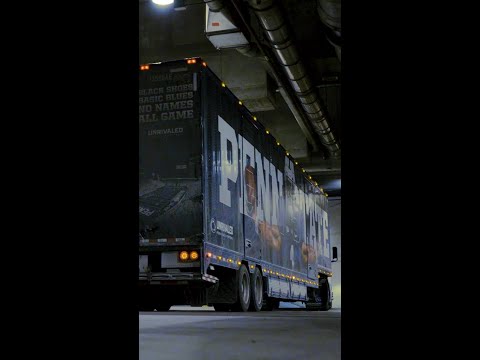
(168, 34)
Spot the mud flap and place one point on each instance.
(196, 297)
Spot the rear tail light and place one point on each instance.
(188, 256)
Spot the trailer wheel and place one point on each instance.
(243, 287)
(321, 297)
(325, 295)
(256, 291)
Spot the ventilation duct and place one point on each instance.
(277, 33)
(330, 12)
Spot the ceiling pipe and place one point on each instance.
(275, 27)
(254, 49)
(330, 12)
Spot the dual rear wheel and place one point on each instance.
(249, 292)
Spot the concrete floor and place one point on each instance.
(203, 334)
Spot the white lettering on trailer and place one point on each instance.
(275, 193)
(263, 183)
(292, 256)
(222, 227)
(326, 249)
(150, 99)
(229, 167)
(160, 77)
(177, 115)
(249, 156)
(311, 211)
(303, 198)
(179, 105)
(280, 183)
(237, 152)
(169, 131)
(318, 229)
(180, 96)
(242, 177)
(144, 109)
(151, 91)
(320, 233)
(147, 118)
(289, 169)
(175, 88)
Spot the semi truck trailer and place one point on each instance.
(227, 218)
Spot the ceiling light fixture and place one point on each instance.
(162, 2)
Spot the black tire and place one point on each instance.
(256, 290)
(325, 295)
(222, 307)
(321, 297)
(243, 289)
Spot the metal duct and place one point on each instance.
(218, 6)
(276, 30)
(330, 12)
(250, 50)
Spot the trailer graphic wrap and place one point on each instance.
(296, 222)
(264, 203)
(254, 187)
(324, 243)
(310, 252)
(216, 184)
(260, 203)
(273, 227)
(169, 154)
(221, 153)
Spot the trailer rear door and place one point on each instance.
(170, 202)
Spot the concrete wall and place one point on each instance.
(334, 217)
